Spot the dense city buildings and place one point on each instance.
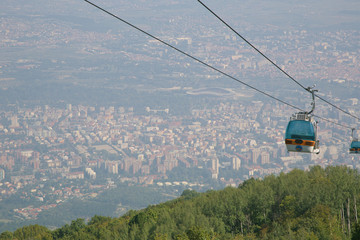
(79, 142)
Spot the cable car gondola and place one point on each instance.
(301, 131)
(355, 144)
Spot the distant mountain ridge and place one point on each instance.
(315, 204)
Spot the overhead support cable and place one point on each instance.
(192, 57)
(272, 62)
(208, 65)
(251, 45)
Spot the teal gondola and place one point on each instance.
(301, 134)
(355, 144)
(301, 131)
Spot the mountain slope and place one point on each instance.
(315, 204)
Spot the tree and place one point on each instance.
(6, 235)
(198, 233)
(35, 232)
(260, 200)
(98, 220)
(188, 194)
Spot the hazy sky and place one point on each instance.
(79, 26)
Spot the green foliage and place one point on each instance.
(35, 232)
(315, 204)
(356, 232)
(188, 194)
(198, 233)
(96, 220)
(6, 235)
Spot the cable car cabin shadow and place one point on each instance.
(301, 134)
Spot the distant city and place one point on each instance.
(88, 105)
(229, 141)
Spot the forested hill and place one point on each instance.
(315, 204)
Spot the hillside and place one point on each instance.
(315, 204)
